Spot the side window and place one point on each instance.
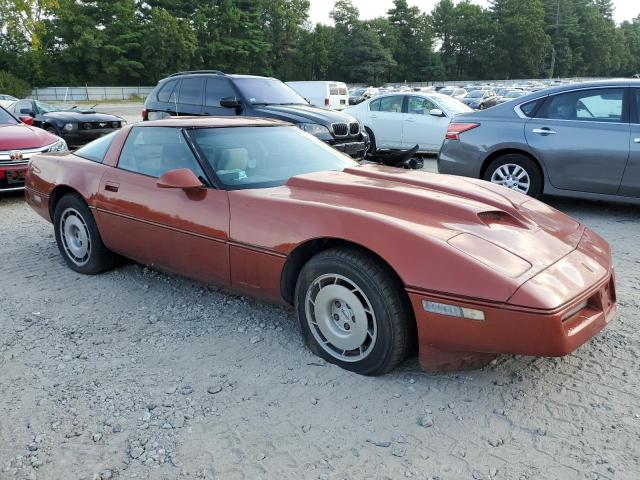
(96, 150)
(333, 89)
(342, 90)
(636, 97)
(602, 105)
(217, 89)
(191, 91)
(387, 104)
(23, 105)
(420, 106)
(166, 92)
(153, 151)
(529, 108)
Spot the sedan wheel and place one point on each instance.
(352, 312)
(517, 172)
(341, 318)
(512, 176)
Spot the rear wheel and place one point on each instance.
(371, 149)
(78, 238)
(352, 313)
(517, 172)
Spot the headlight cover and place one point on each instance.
(59, 146)
(315, 129)
(70, 126)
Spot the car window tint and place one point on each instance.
(530, 108)
(166, 91)
(420, 106)
(96, 150)
(191, 91)
(387, 104)
(153, 151)
(603, 105)
(217, 89)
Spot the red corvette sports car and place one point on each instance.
(18, 141)
(375, 260)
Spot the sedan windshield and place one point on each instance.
(6, 118)
(259, 157)
(47, 108)
(268, 91)
(476, 94)
(514, 94)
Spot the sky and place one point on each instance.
(625, 9)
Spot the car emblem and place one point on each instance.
(15, 155)
(102, 125)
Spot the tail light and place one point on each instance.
(145, 115)
(326, 102)
(455, 129)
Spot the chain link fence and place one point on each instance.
(90, 94)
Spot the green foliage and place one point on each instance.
(137, 42)
(12, 85)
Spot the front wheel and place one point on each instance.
(352, 313)
(517, 172)
(78, 238)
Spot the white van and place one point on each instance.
(329, 95)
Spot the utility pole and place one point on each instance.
(553, 47)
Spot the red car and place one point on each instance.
(375, 260)
(18, 141)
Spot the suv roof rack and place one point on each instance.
(216, 72)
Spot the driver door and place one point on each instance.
(422, 128)
(582, 138)
(181, 231)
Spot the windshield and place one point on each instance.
(358, 92)
(268, 91)
(453, 106)
(260, 157)
(6, 118)
(476, 94)
(514, 94)
(47, 108)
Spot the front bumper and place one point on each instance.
(353, 149)
(12, 177)
(581, 292)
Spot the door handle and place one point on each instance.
(111, 187)
(636, 140)
(544, 131)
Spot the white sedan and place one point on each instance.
(402, 120)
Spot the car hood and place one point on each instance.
(24, 137)
(71, 116)
(453, 210)
(305, 114)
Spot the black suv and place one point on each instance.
(211, 92)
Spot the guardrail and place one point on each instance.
(68, 94)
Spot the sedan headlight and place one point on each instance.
(315, 129)
(59, 146)
(70, 126)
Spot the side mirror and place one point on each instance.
(26, 119)
(182, 178)
(436, 112)
(230, 102)
(27, 111)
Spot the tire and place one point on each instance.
(78, 238)
(372, 143)
(366, 327)
(504, 171)
(481, 107)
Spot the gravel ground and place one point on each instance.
(138, 374)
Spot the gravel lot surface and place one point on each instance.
(138, 374)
